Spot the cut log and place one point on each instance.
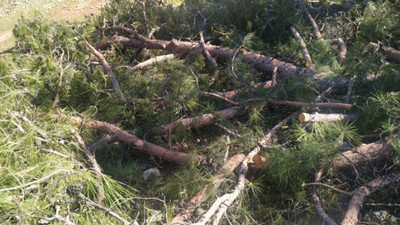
(203, 120)
(303, 46)
(152, 61)
(357, 201)
(317, 117)
(120, 135)
(375, 153)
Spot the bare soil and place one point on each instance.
(65, 10)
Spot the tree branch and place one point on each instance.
(144, 146)
(357, 201)
(108, 70)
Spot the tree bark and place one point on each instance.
(144, 146)
(357, 201)
(366, 154)
(317, 117)
(265, 64)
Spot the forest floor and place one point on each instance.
(12, 10)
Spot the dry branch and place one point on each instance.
(357, 201)
(207, 53)
(304, 49)
(221, 97)
(222, 204)
(341, 45)
(314, 25)
(318, 205)
(108, 70)
(194, 203)
(96, 167)
(144, 146)
(331, 105)
(262, 63)
(152, 61)
(203, 120)
(366, 154)
(317, 117)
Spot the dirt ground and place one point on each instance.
(64, 10)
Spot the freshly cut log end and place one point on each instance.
(316, 117)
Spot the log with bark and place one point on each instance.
(263, 63)
(120, 135)
(375, 153)
(331, 105)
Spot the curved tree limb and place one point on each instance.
(357, 201)
(318, 205)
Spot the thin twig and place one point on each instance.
(33, 182)
(328, 186)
